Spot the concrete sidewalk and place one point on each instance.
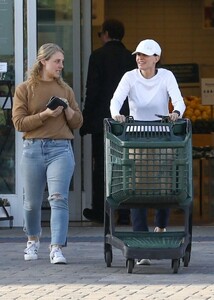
(87, 277)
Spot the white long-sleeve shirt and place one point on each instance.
(147, 97)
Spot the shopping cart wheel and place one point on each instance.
(108, 258)
(175, 265)
(129, 265)
(186, 259)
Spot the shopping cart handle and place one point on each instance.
(115, 127)
(163, 118)
(129, 119)
(109, 121)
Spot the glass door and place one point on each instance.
(7, 81)
(24, 26)
(61, 22)
(11, 73)
(55, 25)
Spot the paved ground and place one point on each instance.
(87, 277)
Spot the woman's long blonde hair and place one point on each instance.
(44, 52)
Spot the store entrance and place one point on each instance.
(25, 25)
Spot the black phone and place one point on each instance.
(54, 102)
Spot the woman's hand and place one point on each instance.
(173, 116)
(69, 112)
(66, 101)
(119, 118)
(56, 112)
(51, 113)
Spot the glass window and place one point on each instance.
(7, 77)
(55, 26)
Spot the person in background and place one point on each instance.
(106, 67)
(149, 90)
(47, 155)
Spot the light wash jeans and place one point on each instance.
(52, 162)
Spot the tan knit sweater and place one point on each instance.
(28, 104)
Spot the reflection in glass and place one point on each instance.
(7, 132)
(55, 26)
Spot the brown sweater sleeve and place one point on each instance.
(77, 120)
(27, 107)
(22, 120)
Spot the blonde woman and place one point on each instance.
(47, 156)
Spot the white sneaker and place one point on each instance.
(56, 256)
(158, 229)
(144, 261)
(31, 252)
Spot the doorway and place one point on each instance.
(34, 22)
(65, 23)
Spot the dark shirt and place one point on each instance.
(106, 68)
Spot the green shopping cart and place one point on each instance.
(148, 164)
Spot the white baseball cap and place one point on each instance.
(148, 47)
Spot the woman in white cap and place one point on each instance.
(149, 90)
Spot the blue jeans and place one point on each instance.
(139, 218)
(52, 162)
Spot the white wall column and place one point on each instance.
(17, 202)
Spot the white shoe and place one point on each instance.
(31, 252)
(144, 261)
(158, 229)
(56, 256)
